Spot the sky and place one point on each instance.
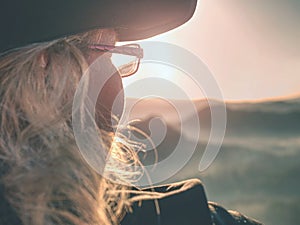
(252, 48)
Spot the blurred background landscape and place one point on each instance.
(257, 171)
(252, 49)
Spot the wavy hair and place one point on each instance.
(45, 177)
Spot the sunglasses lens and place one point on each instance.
(126, 58)
(128, 69)
(126, 64)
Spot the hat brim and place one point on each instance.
(33, 21)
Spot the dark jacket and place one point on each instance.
(188, 206)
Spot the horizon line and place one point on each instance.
(238, 101)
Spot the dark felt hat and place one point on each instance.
(25, 22)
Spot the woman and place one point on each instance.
(46, 47)
(45, 50)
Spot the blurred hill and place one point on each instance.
(257, 170)
(278, 116)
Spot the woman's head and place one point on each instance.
(46, 179)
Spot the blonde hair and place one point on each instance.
(46, 179)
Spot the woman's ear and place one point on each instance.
(43, 60)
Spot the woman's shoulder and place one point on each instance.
(221, 216)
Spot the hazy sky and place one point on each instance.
(251, 46)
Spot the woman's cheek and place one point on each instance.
(110, 102)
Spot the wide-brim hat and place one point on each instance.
(25, 22)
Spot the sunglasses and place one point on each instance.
(128, 59)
